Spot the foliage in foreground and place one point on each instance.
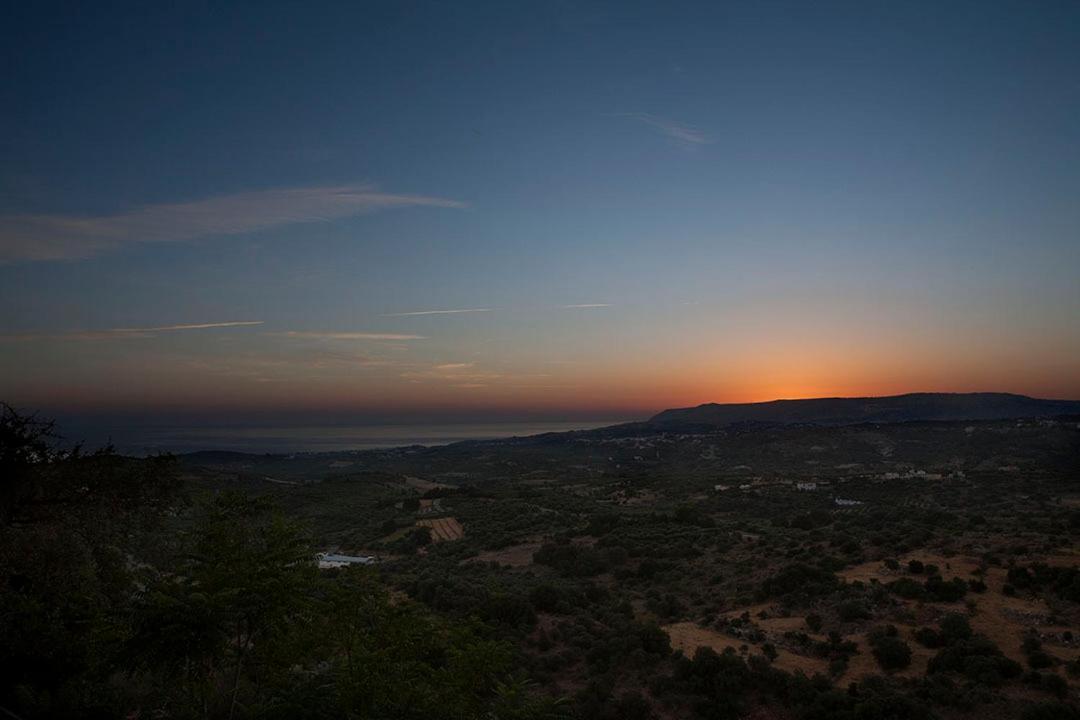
(235, 622)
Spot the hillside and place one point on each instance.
(848, 411)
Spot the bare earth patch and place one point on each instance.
(688, 637)
(864, 663)
(423, 485)
(443, 529)
(1001, 618)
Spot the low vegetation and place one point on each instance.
(550, 577)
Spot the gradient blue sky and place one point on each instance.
(758, 200)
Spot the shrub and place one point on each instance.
(632, 706)
(853, 610)
(955, 627)
(941, 591)
(1051, 711)
(571, 560)
(978, 659)
(929, 637)
(1019, 578)
(545, 598)
(907, 588)
(1039, 660)
(799, 580)
(890, 651)
(1055, 685)
(654, 640)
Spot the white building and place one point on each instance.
(333, 560)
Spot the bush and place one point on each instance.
(632, 706)
(1019, 578)
(1051, 711)
(907, 588)
(978, 659)
(1039, 660)
(801, 581)
(853, 610)
(955, 627)
(929, 637)
(941, 591)
(1055, 685)
(545, 598)
(891, 652)
(571, 560)
(654, 640)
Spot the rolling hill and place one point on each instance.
(890, 409)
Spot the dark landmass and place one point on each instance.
(890, 409)
(802, 569)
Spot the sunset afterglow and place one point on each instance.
(535, 211)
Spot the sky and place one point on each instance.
(407, 210)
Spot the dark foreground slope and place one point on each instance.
(906, 571)
(874, 571)
(848, 411)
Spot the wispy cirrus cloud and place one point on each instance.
(285, 368)
(438, 312)
(458, 374)
(330, 359)
(66, 237)
(190, 326)
(454, 366)
(583, 306)
(128, 333)
(315, 335)
(673, 129)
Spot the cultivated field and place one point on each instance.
(443, 529)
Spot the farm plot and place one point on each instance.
(1003, 619)
(688, 637)
(443, 529)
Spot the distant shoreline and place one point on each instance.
(313, 438)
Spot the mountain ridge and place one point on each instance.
(908, 407)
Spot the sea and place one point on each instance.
(178, 439)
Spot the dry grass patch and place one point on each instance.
(443, 529)
(423, 485)
(1001, 618)
(688, 637)
(512, 556)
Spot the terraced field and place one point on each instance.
(443, 529)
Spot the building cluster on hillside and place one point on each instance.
(914, 474)
(334, 560)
